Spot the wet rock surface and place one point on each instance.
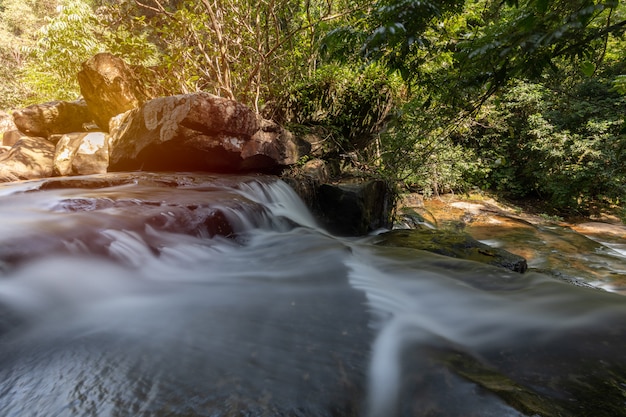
(353, 208)
(589, 254)
(182, 294)
(454, 244)
(182, 204)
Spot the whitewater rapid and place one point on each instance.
(187, 294)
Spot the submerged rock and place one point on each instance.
(119, 292)
(166, 206)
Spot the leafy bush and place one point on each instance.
(417, 152)
(352, 105)
(64, 42)
(620, 84)
(12, 92)
(71, 36)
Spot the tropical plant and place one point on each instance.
(351, 105)
(19, 22)
(68, 38)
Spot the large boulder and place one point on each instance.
(271, 145)
(110, 87)
(81, 154)
(55, 117)
(305, 180)
(29, 158)
(197, 131)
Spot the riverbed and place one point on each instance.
(186, 294)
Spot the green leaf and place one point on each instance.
(529, 22)
(588, 68)
(541, 6)
(620, 84)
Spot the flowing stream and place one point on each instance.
(140, 294)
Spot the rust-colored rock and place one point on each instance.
(601, 229)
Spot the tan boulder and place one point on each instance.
(55, 117)
(6, 123)
(29, 158)
(11, 137)
(270, 146)
(81, 154)
(110, 87)
(317, 170)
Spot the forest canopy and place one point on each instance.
(522, 97)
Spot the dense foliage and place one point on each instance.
(348, 105)
(523, 97)
(564, 146)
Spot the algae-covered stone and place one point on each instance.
(454, 244)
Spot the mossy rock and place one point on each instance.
(454, 244)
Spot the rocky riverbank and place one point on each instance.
(120, 126)
(589, 252)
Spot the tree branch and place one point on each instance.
(223, 63)
(158, 9)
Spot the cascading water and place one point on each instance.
(204, 295)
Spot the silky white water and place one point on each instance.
(198, 295)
